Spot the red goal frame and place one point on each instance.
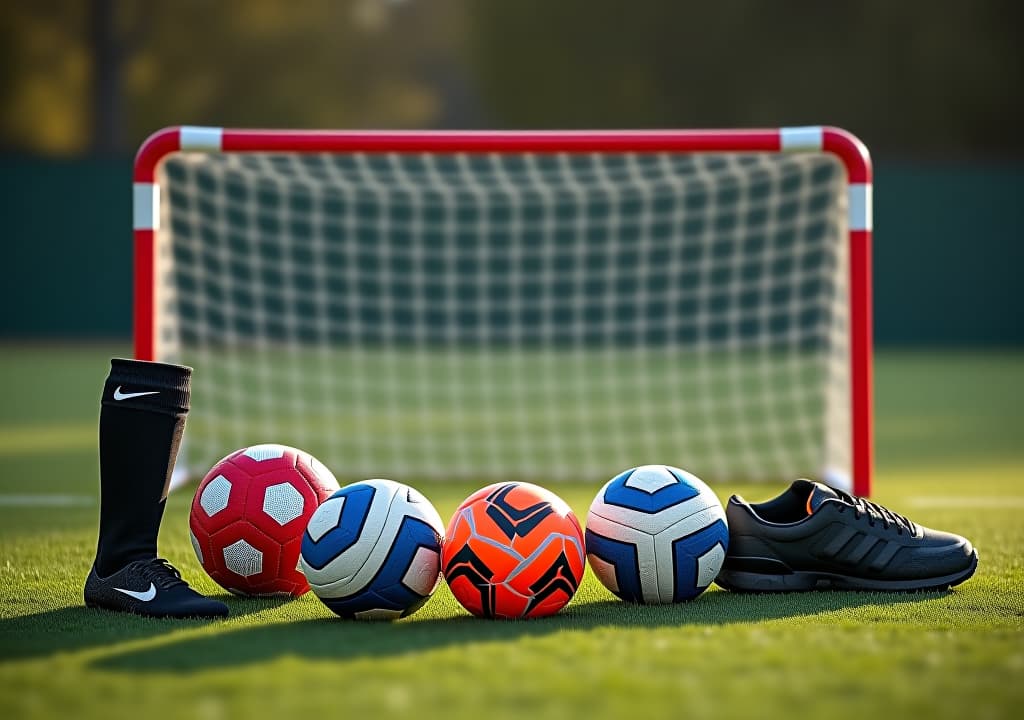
(845, 146)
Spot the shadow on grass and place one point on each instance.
(334, 639)
(72, 629)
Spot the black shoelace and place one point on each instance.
(162, 574)
(874, 511)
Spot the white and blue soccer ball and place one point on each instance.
(656, 534)
(372, 550)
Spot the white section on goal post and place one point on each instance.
(487, 306)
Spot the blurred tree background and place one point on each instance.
(87, 76)
(915, 78)
(932, 86)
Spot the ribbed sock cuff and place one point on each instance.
(145, 385)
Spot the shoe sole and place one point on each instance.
(806, 581)
(155, 615)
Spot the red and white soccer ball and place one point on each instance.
(248, 516)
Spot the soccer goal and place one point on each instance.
(515, 305)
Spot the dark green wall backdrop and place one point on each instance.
(949, 252)
(68, 253)
(949, 248)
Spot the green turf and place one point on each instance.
(950, 455)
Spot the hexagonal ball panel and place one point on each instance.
(259, 453)
(195, 546)
(243, 559)
(326, 518)
(709, 564)
(215, 495)
(283, 503)
(650, 479)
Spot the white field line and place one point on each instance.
(47, 500)
(992, 502)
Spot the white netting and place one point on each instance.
(512, 316)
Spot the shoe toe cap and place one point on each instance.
(940, 554)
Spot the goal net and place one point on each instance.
(509, 306)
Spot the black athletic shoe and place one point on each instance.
(150, 587)
(813, 537)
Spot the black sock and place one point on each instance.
(142, 419)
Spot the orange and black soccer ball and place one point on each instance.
(513, 550)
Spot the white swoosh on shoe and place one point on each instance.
(144, 596)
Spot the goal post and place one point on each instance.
(533, 305)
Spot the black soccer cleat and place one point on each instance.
(150, 587)
(812, 537)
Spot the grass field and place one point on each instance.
(950, 454)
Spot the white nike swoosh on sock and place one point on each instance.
(144, 596)
(118, 395)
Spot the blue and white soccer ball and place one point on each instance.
(372, 550)
(656, 534)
